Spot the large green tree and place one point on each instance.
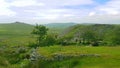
(40, 31)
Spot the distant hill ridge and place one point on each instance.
(22, 28)
(59, 25)
(15, 28)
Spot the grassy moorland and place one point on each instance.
(15, 33)
(20, 33)
(106, 57)
(16, 51)
(69, 57)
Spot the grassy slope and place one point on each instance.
(109, 57)
(20, 29)
(19, 33)
(78, 29)
(15, 33)
(58, 27)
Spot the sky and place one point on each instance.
(60, 11)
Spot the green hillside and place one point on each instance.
(71, 31)
(92, 33)
(15, 28)
(20, 33)
(14, 33)
(23, 29)
(58, 27)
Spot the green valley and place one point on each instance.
(52, 46)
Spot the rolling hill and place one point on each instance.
(59, 25)
(15, 33)
(19, 32)
(15, 28)
(22, 29)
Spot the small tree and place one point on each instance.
(40, 31)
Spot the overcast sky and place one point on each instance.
(51, 11)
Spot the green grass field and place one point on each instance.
(109, 57)
(82, 57)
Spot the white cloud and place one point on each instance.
(60, 10)
(24, 3)
(54, 14)
(6, 12)
(104, 19)
(49, 14)
(52, 3)
(107, 13)
(110, 11)
(46, 16)
(68, 15)
(4, 9)
(92, 13)
(110, 8)
(57, 10)
(53, 11)
(47, 10)
(3, 4)
(77, 2)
